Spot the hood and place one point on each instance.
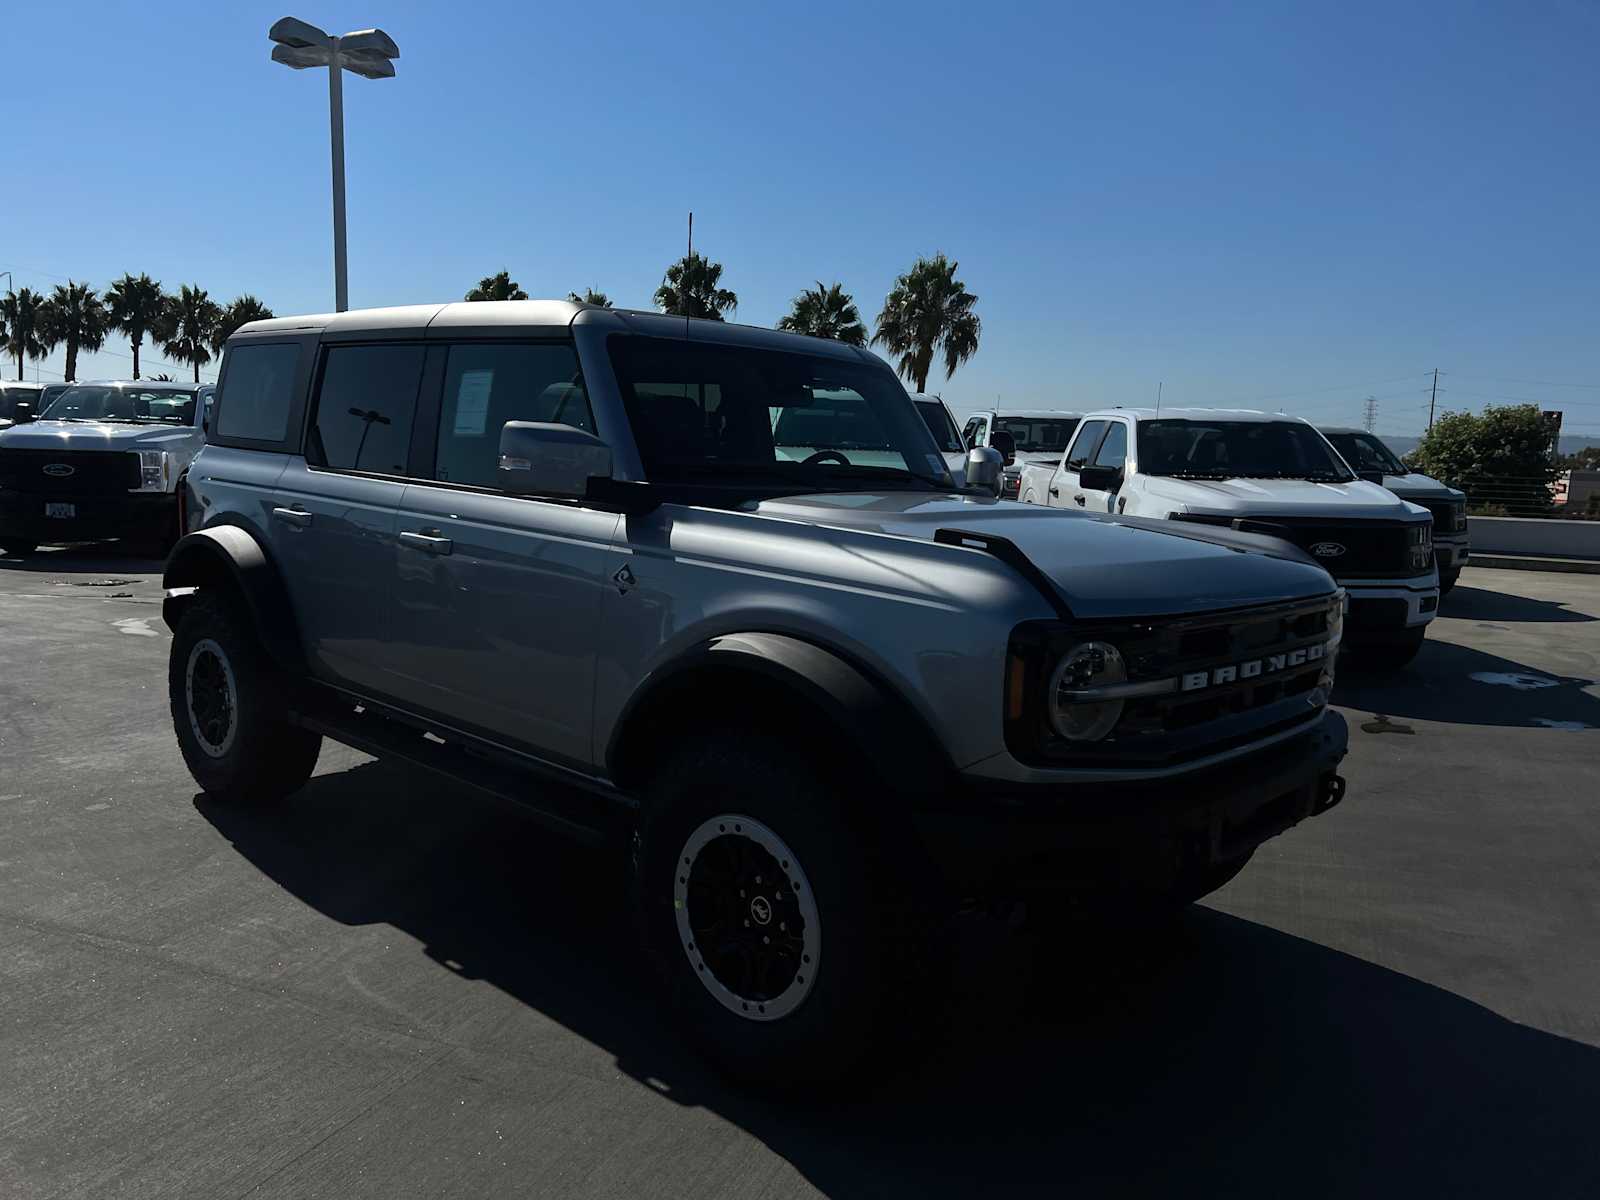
(1280, 497)
(1104, 566)
(1421, 488)
(80, 435)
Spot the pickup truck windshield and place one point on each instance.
(1237, 450)
(1038, 435)
(132, 405)
(943, 429)
(704, 414)
(1366, 452)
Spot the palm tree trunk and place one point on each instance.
(19, 363)
(197, 370)
(72, 359)
(136, 358)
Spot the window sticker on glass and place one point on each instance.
(472, 403)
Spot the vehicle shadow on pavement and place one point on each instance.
(1223, 1058)
(108, 557)
(1481, 604)
(1464, 686)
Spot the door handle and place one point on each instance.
(1054, 490)
(293, 516)
(426, 540)
(1078, 499)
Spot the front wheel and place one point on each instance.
(227, 710)
(1447, 580)
(1387, 652)
(780, 922)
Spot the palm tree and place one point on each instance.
(590, 296)
(22, 332)
(690, 289)
(235, 317)
(929, 309)
(138, 307)
(193, 326)
(497, 287)
(826, 312)
(74, 314)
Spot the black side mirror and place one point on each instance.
(1371, 477)
(1100, 479)
(1003, 442)
(22, 413)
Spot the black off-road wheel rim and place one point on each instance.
(747, 918)
(212, 697)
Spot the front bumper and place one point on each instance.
(1014, 839)
(136, 515)
(1383, 606)
(1451, 553)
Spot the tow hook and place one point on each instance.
(1331, 792)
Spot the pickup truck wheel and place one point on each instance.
(782, 934)
(1196, 883)
(227, 710)
(1381, 654)
(17, 549)
(1447, 580)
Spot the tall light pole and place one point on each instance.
(368, 53)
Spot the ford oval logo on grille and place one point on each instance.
(1327, 550)
(60, 470)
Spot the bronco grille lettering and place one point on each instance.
(1193, 681)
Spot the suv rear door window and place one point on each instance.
(260, 392)
(487, 385)
(365, 408)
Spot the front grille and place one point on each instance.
(94, 472)
(1174, 727)
(1365, 549)
(1449, 516)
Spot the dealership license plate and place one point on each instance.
(67, 511)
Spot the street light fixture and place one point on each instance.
(368, 53)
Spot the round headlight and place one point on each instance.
(1085, 666)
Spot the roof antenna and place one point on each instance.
(688, 265)
(1160, 383)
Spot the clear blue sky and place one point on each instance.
(1259, 204)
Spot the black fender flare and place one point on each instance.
(882, 727)
(232, 557)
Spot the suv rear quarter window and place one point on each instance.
(255, 400)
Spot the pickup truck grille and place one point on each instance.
(1367, 549)
(93, 472)
(1272, 662)
(1449, 516)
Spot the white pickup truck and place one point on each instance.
(1036, 435)
(1265, 473)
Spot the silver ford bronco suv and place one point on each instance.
(712, 591)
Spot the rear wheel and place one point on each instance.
(780, 922)
(227, 704)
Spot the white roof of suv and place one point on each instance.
(1197, 414)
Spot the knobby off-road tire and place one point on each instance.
(782, 921)
(227, 702)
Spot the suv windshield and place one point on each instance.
(1237, 450)
(938, 421)
(1038, 435)
(706, 414)
(134, 405)
(1366, 452)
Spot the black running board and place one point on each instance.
(590, 814)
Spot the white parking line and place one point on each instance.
(137, 626)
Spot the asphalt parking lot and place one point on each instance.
(387, 989)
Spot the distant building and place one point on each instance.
(1579, 492)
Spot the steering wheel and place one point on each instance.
(826, 456)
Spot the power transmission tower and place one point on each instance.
(1370, 417)
(1432, 396)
